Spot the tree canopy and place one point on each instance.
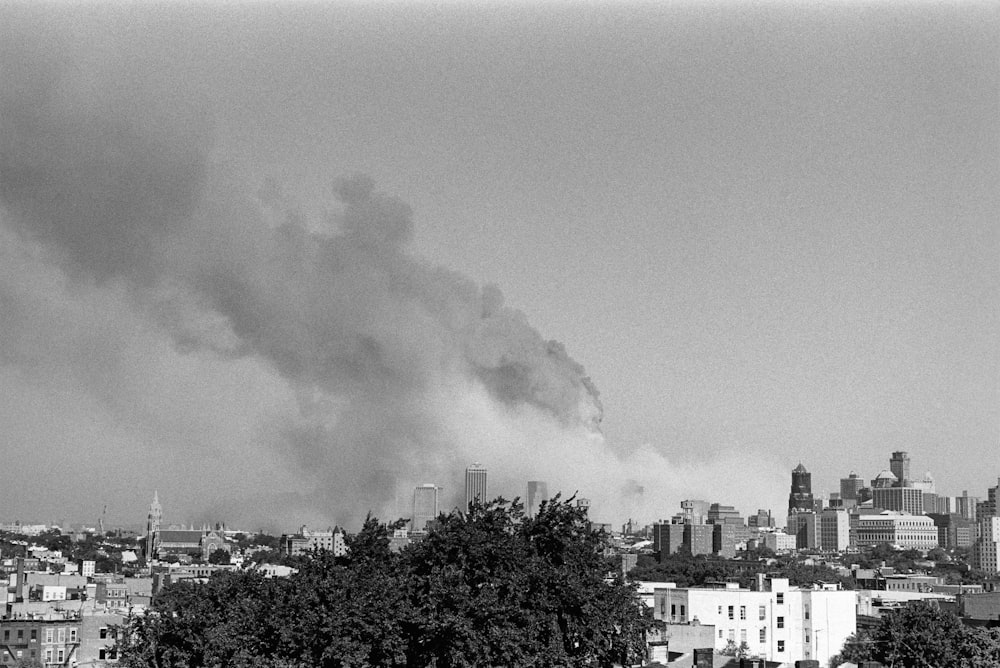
(485, 588)
(921, 635)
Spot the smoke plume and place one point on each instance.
(358, 369)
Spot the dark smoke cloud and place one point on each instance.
(363, 331)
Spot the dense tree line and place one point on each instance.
(921, 635)
(688, 571)
(486, 588)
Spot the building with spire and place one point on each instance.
(153, 521)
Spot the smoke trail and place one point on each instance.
(363, 331)
(402, 371)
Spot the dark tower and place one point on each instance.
(801, 497)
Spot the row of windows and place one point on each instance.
(761, 637)
(51, 635)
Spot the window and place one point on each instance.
(72, 634)
(720, 633)
(6, 635)
(743, 635)
(61, 635)
(49, 635)
(807, 611)
(60, 655)
(743, 612)
(730, 612)
(762, 612)
(763, 634)
(34, 634)
(48, 655)
(781, 645)
(807, 637)
(20, 634)
(102, 654)
(103, 633)
(683, 610)
(779, 598)
(781, 622)
(673, 610)
(732, 635)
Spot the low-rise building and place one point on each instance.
(895, 528)
(305, 541)
(776, 622)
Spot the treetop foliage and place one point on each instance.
(490, 587)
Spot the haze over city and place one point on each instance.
(283, 262)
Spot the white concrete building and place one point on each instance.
(835, 530)
(777, 622)
(779, 541)
(899, 529)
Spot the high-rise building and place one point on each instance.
(475, 484)
(153, 520)
(425, 506)
(801, 497)
(966, 505)
(850, 488)
(988, 508)
(805, 526)
(899, 464)
(835, 530)
(762, 520)
(904, 499)
(538, 491)
(986, 551)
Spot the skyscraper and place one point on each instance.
(153, 520)
(425, 506)
(801, 497)
(475, 484)
(538, 491)
(899, 464)
(850, 488)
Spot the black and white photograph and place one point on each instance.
(499, 334)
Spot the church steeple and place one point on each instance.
(153, 520)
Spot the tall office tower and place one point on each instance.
(801, 497)
(475, 484)
(988, 508)
(899, 464)
(849, 488)
(538, 491)
(153, 520)
(966, 505)
(986, 551)
(425, 506)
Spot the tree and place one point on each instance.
(220, 557)
(487, 588)
(921, 635)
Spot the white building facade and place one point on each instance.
(777, 623)
(899, 529)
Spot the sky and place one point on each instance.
(281, 262)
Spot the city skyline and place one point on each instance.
(637, 251)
